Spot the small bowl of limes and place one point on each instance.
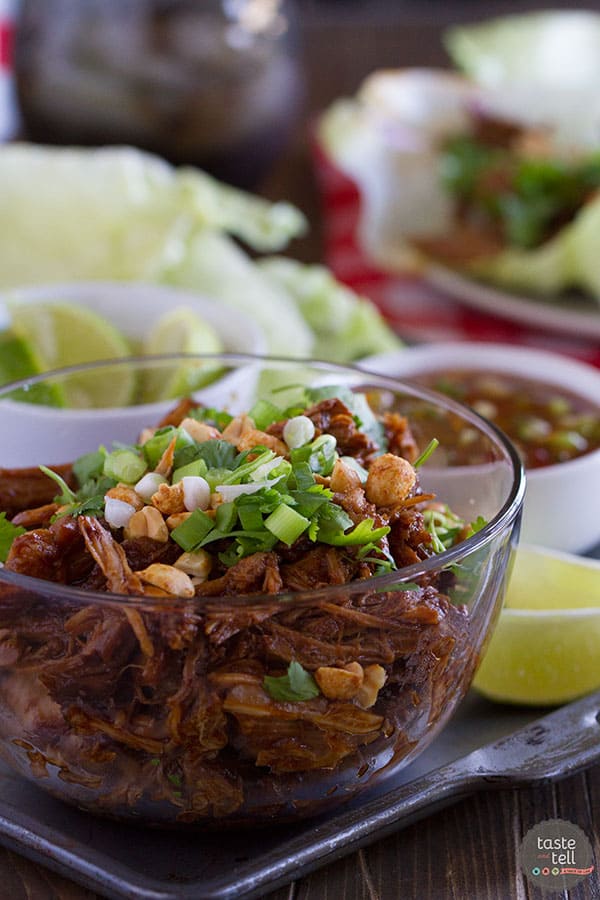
(71, 327)
(56, 326)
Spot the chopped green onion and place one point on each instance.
(160, 440)
(250, 518)
(558, 406)
(286, 524)
(190, 534)
(197, 467)
(533, 428)
(320, 455)
(275, 468)
(225, 517)
(429, 449)
(246, 469)
(298, 431)
(444, 526)
(568, 440)
(264, 413)
(217, 476)
(124, 465)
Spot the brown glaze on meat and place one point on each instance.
(158, 703)
(22, 489)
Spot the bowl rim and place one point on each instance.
(506, 515)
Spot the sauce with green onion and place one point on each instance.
(546, 423)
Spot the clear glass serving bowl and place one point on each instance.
(153, 709)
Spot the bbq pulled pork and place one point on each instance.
(185, 709)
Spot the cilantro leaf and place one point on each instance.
(479, 523)
(88, 466)
(8, 532)
(363, 533)
(217, 454)
(296, 685)
(66, 494)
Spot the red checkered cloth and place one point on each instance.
(416, 309)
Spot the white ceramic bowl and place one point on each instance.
(560, 511)
(134, 307)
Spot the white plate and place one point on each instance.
(574, 316)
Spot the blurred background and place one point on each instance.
(230, 85)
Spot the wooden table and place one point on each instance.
(470, 850)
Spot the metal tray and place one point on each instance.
(491, 746)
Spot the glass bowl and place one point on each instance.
(154, 708)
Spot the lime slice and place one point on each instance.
(64, 334)
(545, 649)
(180, 331)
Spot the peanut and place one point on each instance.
(147, 522)
(391, 479)
(169, 579)
(169, 499)
(340, 683)
(374, 680)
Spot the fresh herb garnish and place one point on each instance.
(524, 199)
(218, 418)
(8, 532)
(363, 533)
(66, 494)
(296, 685)
(429, 449)
(444, 526)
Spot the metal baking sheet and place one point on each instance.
(123, 861)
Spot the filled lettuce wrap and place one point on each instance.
(498, 175)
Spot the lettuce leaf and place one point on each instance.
(554, 48)
(346, 326)
(542, 67)
(216, 266)
(121, 214)
(569, 260)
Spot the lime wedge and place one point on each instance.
(545, 649)
(17, 361)
(64, 334)
(180, 331)
(17, 358)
